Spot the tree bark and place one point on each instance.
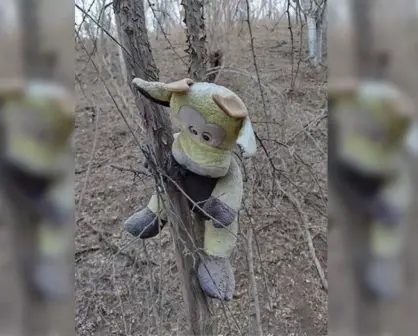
(314, 11)
(130, 20)
(196, 38)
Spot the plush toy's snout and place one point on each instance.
(211, 113)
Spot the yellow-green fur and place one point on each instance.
(38, 130)
(218, 241)
(365, 110)
(199, 98)
(221, 241)
(213, 121)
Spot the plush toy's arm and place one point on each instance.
(225, 201)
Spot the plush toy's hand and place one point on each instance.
(386, 213)
(220, 211)
(50, 279)
(383, 277)
(216, 278)
(144, 224)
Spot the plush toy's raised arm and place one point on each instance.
(160, 93)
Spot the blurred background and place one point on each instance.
(36, 167)
(277, 56)
(373, 42)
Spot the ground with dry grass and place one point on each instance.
(136, 291)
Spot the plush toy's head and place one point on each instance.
(373, 121)
(213, 120)
(38, 119)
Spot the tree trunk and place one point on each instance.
(130, 19)
(196, 38)
(198, 57)
(314, 12)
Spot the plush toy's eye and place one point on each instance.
(206, 136)
(193, 130)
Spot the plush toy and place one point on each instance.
(213, 121)
(35, 165)
(371, 121)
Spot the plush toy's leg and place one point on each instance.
(383, 276)
(50, 277)
(148, 222)
(225, 200)
(215, 271)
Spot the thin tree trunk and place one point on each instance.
(196, 38)
(130, 19)
(313, 11)
(198, 56)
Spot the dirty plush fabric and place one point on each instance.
(213, 121)
(372, 119)
(37, 120)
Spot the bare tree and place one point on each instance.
(298, 11)
(314, 11)
(242, 11)
(196, 38)
(130, 19)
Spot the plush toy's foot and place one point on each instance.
(383, 278)
(144, 224)
(216, 278)
(50, 279)
(220, 211)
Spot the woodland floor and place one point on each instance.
(136, 292)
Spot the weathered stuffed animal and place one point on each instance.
(370, 124)
(35, 165)
(213, 121)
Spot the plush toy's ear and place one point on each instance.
(246, 139)
(234, 107)
(160, 93)
(231, 105)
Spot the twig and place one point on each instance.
(253, 282)
(261, 262)
(104, 30)
(255, 64)
(164, 33)
(135, 171)
(289, 22)
(300, 48)
(308, 237)
(91, 159)
(122, 310)
(112, 97)
(84, 17)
